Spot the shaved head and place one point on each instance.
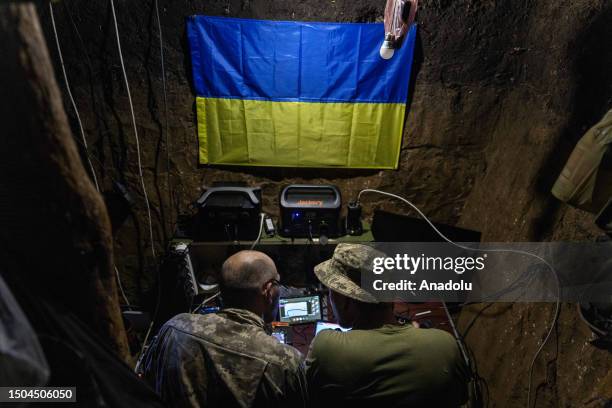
(247, 270)
(245, 283)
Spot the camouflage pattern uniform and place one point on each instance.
(343, 270)
(225, 359)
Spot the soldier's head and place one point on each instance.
(249, 280)
(351, 312)
(342, 276)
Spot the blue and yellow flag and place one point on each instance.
(298, 94)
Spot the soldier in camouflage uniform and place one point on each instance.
(228, 359)
(379, 362)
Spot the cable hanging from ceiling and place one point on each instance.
(127, 87)
(72, 102)
(165, 93)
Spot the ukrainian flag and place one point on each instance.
(297, 94)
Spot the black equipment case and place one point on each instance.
(309, 211)
(228, 213)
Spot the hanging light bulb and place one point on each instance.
(386, 49)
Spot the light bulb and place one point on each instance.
(386, 49)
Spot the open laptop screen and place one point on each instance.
(298, 310)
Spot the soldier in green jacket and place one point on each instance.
(228, 359)
(378, 363)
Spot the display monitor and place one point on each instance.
(280, 335)
(298, 310)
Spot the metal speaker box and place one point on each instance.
(228, 213)
(309, 211)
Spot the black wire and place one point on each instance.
(227, 233)
(166, 125)
(480, 398)
(99, 116)
(310, 238)
(526, 276)
(102, 166)
(469, 326)
(94, 93)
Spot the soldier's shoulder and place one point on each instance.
(441, 341)
(293, 357)
(194, 324)
(436, 335)
(242, 338)
(275, 352)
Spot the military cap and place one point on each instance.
(342, 273)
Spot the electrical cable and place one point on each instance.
(261, 223)
(480, 384)
(94, 94)
(477, 394)
(166, 132)
(144, 189)
(554, 273)
(468, 327)
(155, 313)
(396, 10)
(127, 302)
(127, 88)
(594, 328)
(456, 333)
(83, 140)
(72, 102)
(208, 299)
(522, 281)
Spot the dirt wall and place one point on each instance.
(502, 91)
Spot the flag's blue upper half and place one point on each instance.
(296, 61)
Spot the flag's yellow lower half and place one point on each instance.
(299, 134)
